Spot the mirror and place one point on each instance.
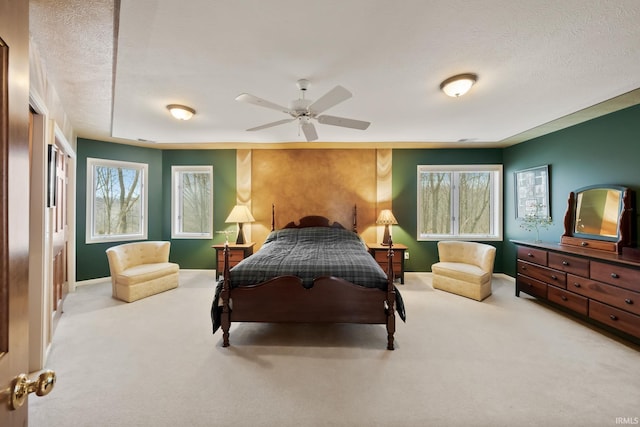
(599, 217)
(597, 212)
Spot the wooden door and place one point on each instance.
(14, 220)
(59, 231)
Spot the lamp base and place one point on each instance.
(240, 239)
(386, 238)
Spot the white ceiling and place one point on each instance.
(116, 65)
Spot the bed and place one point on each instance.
(310, 272)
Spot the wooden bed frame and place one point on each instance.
(283, 299)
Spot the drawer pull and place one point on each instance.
(584, 243)
(563, 297)
(614, 275)
(628, 300)
(524, 267)
(554, 277)
(576, 284)
(530, 255)
(565, 263)
(613, 317)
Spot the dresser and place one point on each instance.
(601, 286)
(237, 252)
(380, 254)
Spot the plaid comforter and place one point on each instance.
(310, 253)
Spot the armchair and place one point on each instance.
(465, 268)
(141, 269)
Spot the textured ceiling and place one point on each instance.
(538, 62)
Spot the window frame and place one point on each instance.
(92, 163)
(176, 222)
(496, 197)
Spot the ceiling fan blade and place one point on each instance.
(343, 121)
(272, 124)
(251, 99)
(329, 99)
(309, 131)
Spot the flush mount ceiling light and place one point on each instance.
(458, 85)
(181, 112)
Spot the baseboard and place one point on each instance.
(108, 278)
(501, 275)
(92, 281)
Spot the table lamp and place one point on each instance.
(386, 218)
(240, 214)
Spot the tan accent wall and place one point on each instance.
(313, 182)
(243, 186)
(384, 196)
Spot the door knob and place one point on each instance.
(22, 386)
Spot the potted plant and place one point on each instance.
(536, 221)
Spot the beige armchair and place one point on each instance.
(465, 268)
(141, 269)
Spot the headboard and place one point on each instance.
(314, 221)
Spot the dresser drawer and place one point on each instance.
(572, 301)
(590, 244)
(531, 286)
(570, 264)
(547, 275)
(235, 256)
(383, 256)
(616, 318)
(536, 256)
(624, 277)
(608, 294)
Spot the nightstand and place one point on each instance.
(380, 252)
(236, 254)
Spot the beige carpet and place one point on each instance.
(506, 361)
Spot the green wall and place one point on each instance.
(405, 204)
(91, 261)
(197, 253)
(605, 150)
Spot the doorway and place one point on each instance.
(50, 262)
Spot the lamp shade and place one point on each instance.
(386, 218)
(181, 112)
(458, 85)
(240, 214)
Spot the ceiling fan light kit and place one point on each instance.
(305, 110)
(458, 85)
(181, 112)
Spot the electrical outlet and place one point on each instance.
(406, 254)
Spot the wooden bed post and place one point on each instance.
(273, 216)
(391, 298)
(355, 218)
(225, 321)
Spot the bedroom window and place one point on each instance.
(192, 202)
(460, 202)
(116, 200)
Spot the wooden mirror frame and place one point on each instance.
(625, 224)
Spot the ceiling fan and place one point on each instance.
(304, 110)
